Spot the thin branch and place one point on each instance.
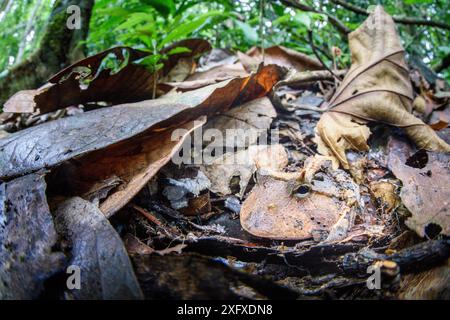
(401, 20)
(338, 24)
(261, 28)
(313, 47)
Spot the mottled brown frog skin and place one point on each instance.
(316, 202)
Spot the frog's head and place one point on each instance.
(318, 203)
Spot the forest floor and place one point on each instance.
(334, 183)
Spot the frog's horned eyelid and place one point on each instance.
(302, 191)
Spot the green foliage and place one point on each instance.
(14, 16)
(235, 24)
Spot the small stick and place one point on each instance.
(147, 214)
(313, 47)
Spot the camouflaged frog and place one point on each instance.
(316, 202)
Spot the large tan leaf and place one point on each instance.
(376, 88)
(247, 122)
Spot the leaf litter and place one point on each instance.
(297, 217)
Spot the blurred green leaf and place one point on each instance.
(249, 32)
(188, 27)
(303, 18)
(164, 7)
(178, 50)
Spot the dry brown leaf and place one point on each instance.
(247, 121)
(220, 72)
(376, 88)
(132, 83)
(216, 57)
(243, 164)
(425, 190)
(439, 125)
(51, 143)
(336, 133)
(135, 162)
(182, 70)
(278, 55)
(204, 78)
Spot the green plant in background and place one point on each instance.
(236, 24)
(21, 23)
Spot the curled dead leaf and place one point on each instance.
(376, 88)
(98, 251)
(89, 80)
(279, 55)
(54, 142)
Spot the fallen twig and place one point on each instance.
(402, 20)
(422, 255)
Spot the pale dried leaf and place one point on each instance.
(376, 88)
(243, 164)
(425, 190)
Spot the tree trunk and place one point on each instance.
(59, 47)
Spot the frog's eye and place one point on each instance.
(302, 190)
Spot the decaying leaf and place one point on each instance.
(177, 190)
(51, 143)
(337, 133)
(278, 55)
(27, 238)
(204, 78)
(241, 126)
(242, 165)
(96, 248)
(376, 88)
(216, 57)
(89, 80)
(135, 162)
(425, 190)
